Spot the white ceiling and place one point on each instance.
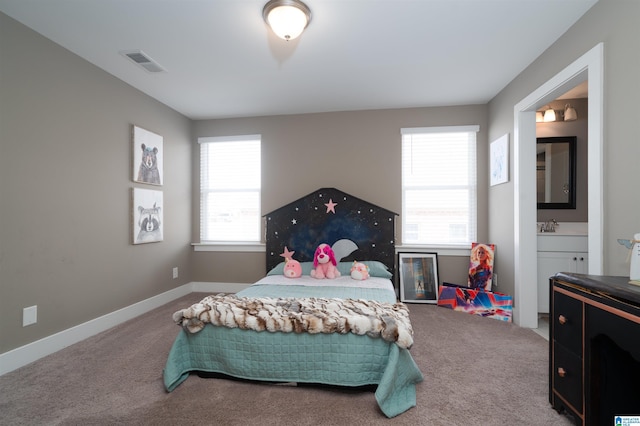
(222, 61)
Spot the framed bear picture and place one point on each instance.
(148, 156)
(146, 213)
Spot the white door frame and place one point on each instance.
(589, 66)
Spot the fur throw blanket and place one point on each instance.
(312, 315)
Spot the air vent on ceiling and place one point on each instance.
(142, 59)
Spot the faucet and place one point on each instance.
(549, 226)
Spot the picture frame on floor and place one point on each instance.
(418, 277)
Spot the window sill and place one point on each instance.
(441, 250)
(230, 247)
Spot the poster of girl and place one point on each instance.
(481, 266)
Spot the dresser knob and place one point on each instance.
(561, 372)
(562, 319)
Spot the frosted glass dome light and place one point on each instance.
(287, 18)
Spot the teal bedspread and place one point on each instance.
(333, 359)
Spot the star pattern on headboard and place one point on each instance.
(362, 230)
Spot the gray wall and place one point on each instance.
(615, 23)
(356, 152)
(65, 173)
(65, 182)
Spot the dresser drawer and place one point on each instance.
(567, 376)
(567, 322)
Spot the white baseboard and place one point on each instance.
(31, 352)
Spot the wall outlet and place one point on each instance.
(29, 315)
(494, 282)
(175, 272)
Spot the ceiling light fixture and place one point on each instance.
(287, 18)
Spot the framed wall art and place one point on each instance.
(499, 160)
(418, 274)
(148, 156)
(147, 207)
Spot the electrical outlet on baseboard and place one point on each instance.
(29, 315)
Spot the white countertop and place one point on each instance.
(566, 228)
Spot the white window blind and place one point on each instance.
(439, 190)
(230, 189)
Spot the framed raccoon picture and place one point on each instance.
(147, 207)
(147, 156)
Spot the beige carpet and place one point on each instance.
(478, 371)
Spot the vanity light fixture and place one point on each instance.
(287, 18)
(549, 115)
(570, 113)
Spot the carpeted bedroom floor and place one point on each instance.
(478, 371)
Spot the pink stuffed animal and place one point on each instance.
(359, 271)
(324, 263)
(292, 268)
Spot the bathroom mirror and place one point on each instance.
(556, 172)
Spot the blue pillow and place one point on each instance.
(376, 269)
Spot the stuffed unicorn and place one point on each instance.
(324, 263)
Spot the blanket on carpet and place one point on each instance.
(312, 315)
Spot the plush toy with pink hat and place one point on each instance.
(292, 268)
(324, 263)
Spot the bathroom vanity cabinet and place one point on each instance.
(594, 347)
(559, 253)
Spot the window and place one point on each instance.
(230, 189)
(439, 191)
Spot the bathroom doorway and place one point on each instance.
(588, 67)
(562, 189)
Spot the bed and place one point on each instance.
(297, 343)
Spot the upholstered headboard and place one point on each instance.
(356, 229)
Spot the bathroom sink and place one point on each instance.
(566, 228)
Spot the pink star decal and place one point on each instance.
(331, 206)
(287, 254)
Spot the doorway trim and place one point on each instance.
(589, 67)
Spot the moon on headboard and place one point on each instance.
(343, 248)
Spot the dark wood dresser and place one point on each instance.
(594, 347)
